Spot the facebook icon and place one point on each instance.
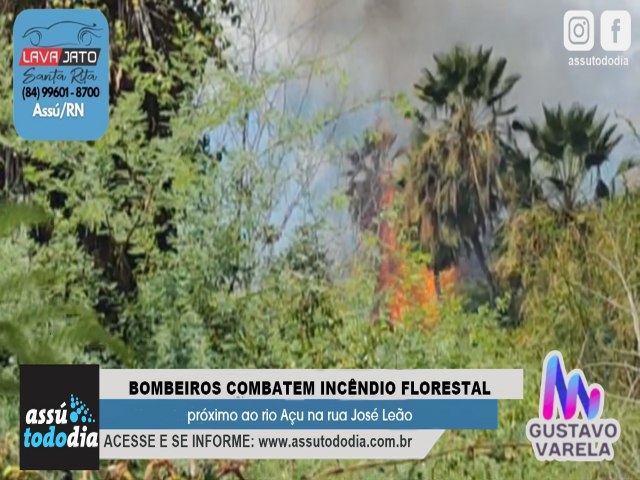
(615, 30)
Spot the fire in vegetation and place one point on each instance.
(408, 289)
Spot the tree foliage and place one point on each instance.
(453, 187)
(570, 145)
(40, 322)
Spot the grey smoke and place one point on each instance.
(391, 41)
(394, 39)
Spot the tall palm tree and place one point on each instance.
(570, 146)
(371, 192)
(452, 185)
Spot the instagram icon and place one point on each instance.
(579, 30)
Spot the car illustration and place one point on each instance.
(63, 34)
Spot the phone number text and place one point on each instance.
(60, 92)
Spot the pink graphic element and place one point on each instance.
(571, 390)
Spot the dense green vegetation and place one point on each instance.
(160, 246)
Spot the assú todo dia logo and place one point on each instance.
(78, 414)
(59, 422)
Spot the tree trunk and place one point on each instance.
(438, 285)
(479, 251)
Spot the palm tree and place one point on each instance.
(570, 146)
(368, 176)
(452, 185)
(371, 192)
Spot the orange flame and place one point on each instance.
(406, 292)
